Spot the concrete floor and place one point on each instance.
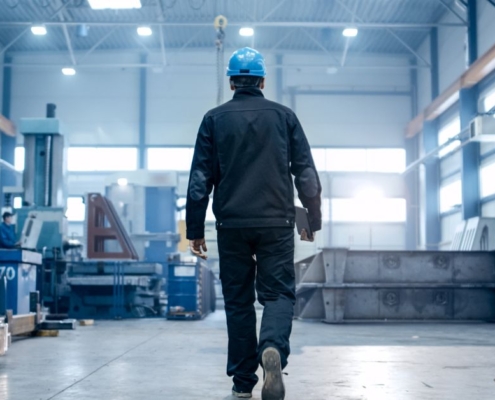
(158, 359)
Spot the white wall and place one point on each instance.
(424, 77)
(347, 121)
(101, 106)
(452, 52)
(486, 26)
(488, 209)
(452, 63)
(96, 106)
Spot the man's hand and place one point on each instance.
(306, 238)
(196, 245)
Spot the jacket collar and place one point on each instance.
(249, 91)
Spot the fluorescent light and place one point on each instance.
(246, 31)
(68, 71)
(122, 182)
(38, 30)
(144, 31)
(114, 4)
(350, 32)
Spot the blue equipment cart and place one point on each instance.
(18, 267)
(190, 290)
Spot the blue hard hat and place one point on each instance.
(246, 62)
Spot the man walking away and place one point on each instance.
(247, 149)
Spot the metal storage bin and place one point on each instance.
(190, 291)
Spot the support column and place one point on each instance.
(7, 149)
(471, 205)
(434, 62)
(468, 106)
(279, 78)
(432, 182)
(143, 72)
(412, 178)
(472, 32)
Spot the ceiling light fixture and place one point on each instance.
(38, 30)
(144, 31)
(246, 32)
(350, 32)
(68, 71)
(122, 181)
(114, 4)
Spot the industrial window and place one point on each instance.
(320, 159)
(349, 160)
(102, 159)
(386, 160)
(170, 158)
(489, 101)
(360, 160)
(369, 210)
(450, 196)
(487, 178)
(19, 157)
(17, 202)
(76, 209)
(448, 131)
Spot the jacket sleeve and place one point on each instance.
(303, 168)
(7, 237)
(200, 183)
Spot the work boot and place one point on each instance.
(273, 388)
(241, 395)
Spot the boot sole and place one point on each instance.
(273, 388)
(241, 395)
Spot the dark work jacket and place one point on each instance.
(247, 149)
(7, 236)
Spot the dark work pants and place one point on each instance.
(272, 273)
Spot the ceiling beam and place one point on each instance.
(60, 13)
(20, 35)
(390, 31)
(453, 11)
(98, 43)
(322, 67)
(320, 45)
(267, 24)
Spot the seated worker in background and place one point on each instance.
(7, 232)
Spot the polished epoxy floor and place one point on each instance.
(158, 359)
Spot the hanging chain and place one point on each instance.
(220, 24)
(220, 53)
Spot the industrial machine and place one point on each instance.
(190, 289)
(136, 220)
(110, 282)
(145, 202)
(339, 285)
(44, 185)
(475, 234)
